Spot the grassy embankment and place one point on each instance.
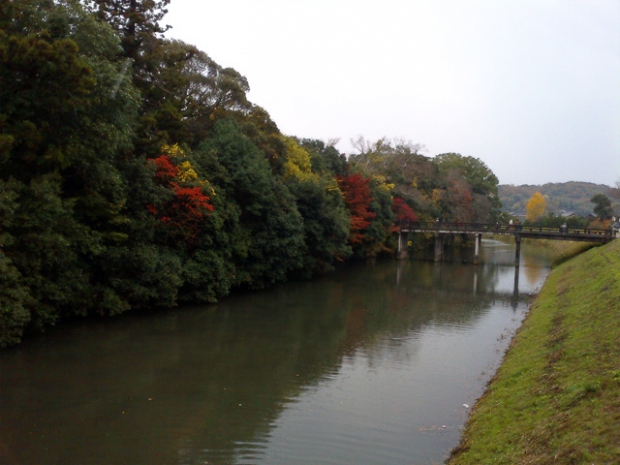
(561, 250)
(556, 397)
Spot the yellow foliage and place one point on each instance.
(333, 187)
(186, 172)
(535, 207)
(298, 163)
(379, 180)
(174, 151)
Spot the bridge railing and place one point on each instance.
(407, 225)
(452, 226)
(565, 230)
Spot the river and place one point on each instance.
(377, 363)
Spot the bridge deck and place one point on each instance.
(565, 234)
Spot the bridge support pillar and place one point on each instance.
(403, 245)
(477, 241)
(438, 247)
(518, 251)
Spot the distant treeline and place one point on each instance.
(572, 197)
(134, 173)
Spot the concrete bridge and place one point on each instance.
(441, 230)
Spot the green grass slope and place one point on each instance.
(556, 397)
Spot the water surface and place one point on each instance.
(374, 364)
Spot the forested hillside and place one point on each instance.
(135, 172)
(569, 196)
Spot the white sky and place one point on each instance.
(531, 87)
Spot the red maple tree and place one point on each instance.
(403, 211)
(189, 206)
(357, 198)
(166, 170)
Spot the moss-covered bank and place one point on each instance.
(556, 397)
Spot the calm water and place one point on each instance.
(370, 365)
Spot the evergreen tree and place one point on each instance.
(136, 20)
(602, 206)
(264, 224)
(66, 116)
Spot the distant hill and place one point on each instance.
(569, 196)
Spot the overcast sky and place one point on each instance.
(531, 87)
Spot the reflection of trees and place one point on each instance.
(199, 385)
(532, 270)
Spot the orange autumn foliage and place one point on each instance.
(189, 206)
(357, 198)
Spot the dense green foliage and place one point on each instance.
(602, 206)
(551, 220)
(134, 172)
(572, 197)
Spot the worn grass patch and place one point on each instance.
(556, 397)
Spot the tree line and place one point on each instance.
(572, 197)
(537, 213)
(135, 172)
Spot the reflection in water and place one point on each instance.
(369, 365)
(533, 269)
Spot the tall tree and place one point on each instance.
(320, 203)
(379, 235)
(326, 160)
(325, 224)
(602, 206)
(482, 202)
(264, 225)
(357, 197)
(66, 116)
(535, 207)
(137, 21)
(186, 92)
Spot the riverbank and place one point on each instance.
(561, 251)
(556, 397)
